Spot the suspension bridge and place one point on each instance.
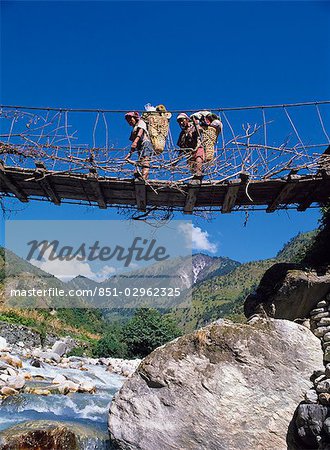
(267, 157)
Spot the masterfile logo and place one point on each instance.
(100, 264)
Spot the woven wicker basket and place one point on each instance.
(210, 136)
(157, 123)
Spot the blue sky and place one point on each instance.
(183, 54)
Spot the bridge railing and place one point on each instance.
(264, 142)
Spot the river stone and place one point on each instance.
(35, 363)
(12, 360)
(50, 356)
(6, 390)
(59, 379)
(52, 435)
(3, 344)
(11, 372)
(225, 386)
(60, 348)
(86, 386)
(4, 377)
(67, 387)
(3, 365)
(17, 382)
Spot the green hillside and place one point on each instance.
(223, 296)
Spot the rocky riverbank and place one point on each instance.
(43, 391)
(17, 360)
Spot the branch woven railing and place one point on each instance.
(264, 142)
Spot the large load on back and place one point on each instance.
(211, 127)
(157, 120)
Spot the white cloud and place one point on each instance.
(104, 273)
(66, 270)
(199, 239)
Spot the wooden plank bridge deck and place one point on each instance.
(299, 190)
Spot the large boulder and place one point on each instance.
(51, 435)
(288, 291)
(225, 386)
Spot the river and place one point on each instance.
(82, 408)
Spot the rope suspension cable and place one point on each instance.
(123, 111)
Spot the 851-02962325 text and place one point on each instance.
(99, 291)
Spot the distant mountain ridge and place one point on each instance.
(220, 284)
(203, 267)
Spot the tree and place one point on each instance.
(147, 330)
(110, 345)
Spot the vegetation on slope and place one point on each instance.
(318, 253)
(223, 296)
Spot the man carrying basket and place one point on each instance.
(141, 142)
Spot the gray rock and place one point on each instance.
(324, 398)
(318, 373)
(323, 386)
(289, 291)
(60, 348)
(315, 312)
(321, 331)
(50, 355)
(36, 363)
(311, 396)
(319, 379)
(320, 315)
(3, 365)
(326, 426)
(3, 344)
(19, 333)
(309, 423)
(16, 382)
(326, 337)
(193, 392)
(327, 371)
(327, 355)
(325, 321)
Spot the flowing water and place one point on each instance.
(81, 408)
